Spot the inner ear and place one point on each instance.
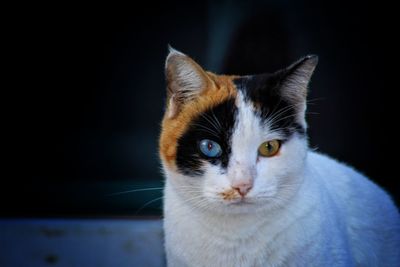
(185, 80)
(296, 78)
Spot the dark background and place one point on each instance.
(87, 91)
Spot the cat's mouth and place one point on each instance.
(233, 197)
(241, 202)
(238, 201)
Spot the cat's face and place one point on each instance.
(234, 144)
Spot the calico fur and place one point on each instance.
(303, 208)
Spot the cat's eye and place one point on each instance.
(210, 148)
(269, 148)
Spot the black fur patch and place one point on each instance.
(264, 91)
(215, 124)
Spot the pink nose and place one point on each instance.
(243, 187)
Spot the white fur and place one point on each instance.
(304, 209)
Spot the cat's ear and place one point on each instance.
(185, 80)
(296, 77)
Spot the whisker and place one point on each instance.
(206, 129)
(202, 204)
(312, 100)
(216, 119)
(195, 197)
(148, 203)
(284, 110)
(274, 110)
(312, 113)
(283, 118)
(135, 190)
(272, 115)
(279, 113)
(205, 116)
(187, 186)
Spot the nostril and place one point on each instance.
(243, 188)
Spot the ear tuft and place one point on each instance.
(173, 50)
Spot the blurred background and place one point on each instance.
(89, 91)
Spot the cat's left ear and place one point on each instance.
(296, 78)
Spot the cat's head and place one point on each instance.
(234, 144)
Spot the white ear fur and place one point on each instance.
(185, 79)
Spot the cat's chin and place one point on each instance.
(241, 203)
(243, 206)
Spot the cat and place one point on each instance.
(242, 187)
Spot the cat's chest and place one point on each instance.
(240, 254)
(215, 251)
(284, 241)
(201, 246)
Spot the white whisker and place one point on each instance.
(135, 190)
(148, 203)
(205, 116)
(216, 119)
(206, 129)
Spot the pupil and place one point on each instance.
(269, 147)
(209, 145)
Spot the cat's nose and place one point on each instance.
(243, 187)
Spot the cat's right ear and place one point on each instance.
(185, 80)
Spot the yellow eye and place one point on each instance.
(269, 148)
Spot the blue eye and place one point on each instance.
(210, 148)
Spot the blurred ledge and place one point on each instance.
(83, 198)
(122, 241)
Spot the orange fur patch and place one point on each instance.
(218, 91)
(230, 194)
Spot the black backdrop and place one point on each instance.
(87, 91)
